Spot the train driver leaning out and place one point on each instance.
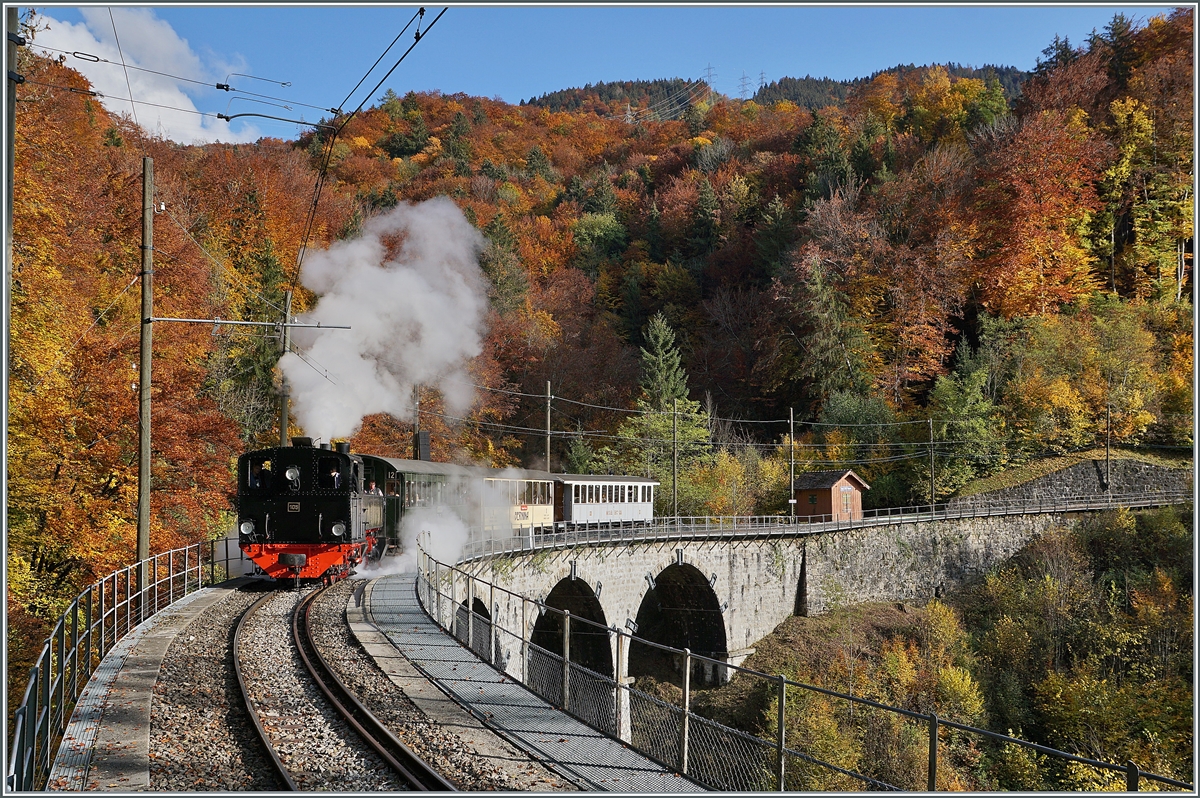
(372, 490)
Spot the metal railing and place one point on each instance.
(759, 526)
(95, 621)
(714, 755)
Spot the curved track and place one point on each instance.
(280, 770)
(414, 770)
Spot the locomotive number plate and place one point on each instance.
(293, 507)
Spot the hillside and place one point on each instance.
(1081, 642)
(923, 269)
(817, 93)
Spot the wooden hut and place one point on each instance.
(836, 495)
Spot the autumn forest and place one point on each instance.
(929, 266)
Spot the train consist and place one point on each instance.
(315, 512)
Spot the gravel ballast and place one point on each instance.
(200, 735)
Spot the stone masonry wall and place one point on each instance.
(1087, 479)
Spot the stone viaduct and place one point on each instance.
(718, 596)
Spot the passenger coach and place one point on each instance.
(582, 501)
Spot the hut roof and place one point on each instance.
(816, 480)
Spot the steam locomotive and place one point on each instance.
(316, 512)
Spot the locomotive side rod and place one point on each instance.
(395, 753)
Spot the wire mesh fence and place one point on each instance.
(593, 698)
(820, 739)
(99, 617)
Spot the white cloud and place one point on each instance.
(151, 43)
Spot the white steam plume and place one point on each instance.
(417, 319)
(447, 536)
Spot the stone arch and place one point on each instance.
(681, 611)
(591, 692)
(480, 629)
(801, 607)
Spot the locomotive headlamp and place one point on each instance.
(293, 473)
(338, 529)
(247, 527)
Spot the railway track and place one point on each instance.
(268, 745)
(411, 768)
(408, 771)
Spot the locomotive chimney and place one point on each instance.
(325, 446)
(343, 447)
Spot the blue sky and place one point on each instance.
(516, 52)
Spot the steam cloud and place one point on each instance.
(417, 320)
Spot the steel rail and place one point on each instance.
(237, 668)
(398, 756)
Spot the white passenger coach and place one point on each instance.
(589, 500)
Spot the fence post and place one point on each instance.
(60, 639)
(170, 577)
(1132, 775)
(622, 725)
(524, 641)
(47, 677)
(104, 614)
(683, 719)
(495, 609)
(933, 752)
(437, 588)
(74, 656)
(470, 612)
(780, 739)
(566, 676)
(88, 633)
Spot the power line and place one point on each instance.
(328, 153)
(121, 55)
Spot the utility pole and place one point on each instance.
(1107, 448)
(745, 86)
(147, 338)
(792, 461)
(14, 41)
(416, 422)
(675, 459)
(547, 425)
(709, 75)
(932, 488)
(283, 394)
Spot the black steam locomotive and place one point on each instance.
(308, 512)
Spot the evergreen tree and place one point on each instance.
(603, 199)
(537, 163)
(576, 190)
(669, 428)
(694, 119)
(479, 115)
(654, 232)
(774, 236)
(663, 377)
(390, 104)
(820, 144)
(499, 233)
(706, 231)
